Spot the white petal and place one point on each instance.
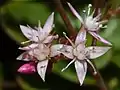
(55, 50)
(95, 51)
(67, 51)
(24, 56)
(29, 33)
(32, 46)
(41, 68)
(50, 39)
(81, 69)
(49, 24)
(80, 37)
(75, 13)
(98, 37)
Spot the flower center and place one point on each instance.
(79, 52)
(91, 24)
(41, 52)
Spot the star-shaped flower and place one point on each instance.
(91, 24)
(39, 34)
(81, 54)
(41, 48)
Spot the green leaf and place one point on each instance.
(25, 86)
(14, 34)
(116, 58)
(112, 32)
(28, 11)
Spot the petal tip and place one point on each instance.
(52, 13)
(69, 4)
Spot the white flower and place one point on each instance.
(81, 54)
(91, 23)
(41, 48)
(39, 34)
(42, 53)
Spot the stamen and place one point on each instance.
(93, 12)
(103, 22)
(95, 72)
(69, 39)
(25, 42)
(39, 23)
(89, 9)
(84, 11)
(101, 26)
(68, 65)
(97, 17)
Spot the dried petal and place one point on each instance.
(81, 69)
(95, 51)
(98, 37)
(41, 68)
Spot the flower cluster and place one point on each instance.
(40, 50)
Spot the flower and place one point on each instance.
(81, 54)
(41, 49)
(40, 35)
(91, 24)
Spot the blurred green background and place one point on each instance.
(27, 12)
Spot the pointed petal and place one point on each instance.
(81, 69)
(67, 51)
(50, 39)
(24, 56)
(41, 68)
(29, 33)
(55, 50)
(49, 24)
(95, 51)
(32, 46)
(80, 37)
(75, 13)
(27, 68)
(98, 37)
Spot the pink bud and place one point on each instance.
(27, 68)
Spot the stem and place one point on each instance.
(65, 18)
(98, 77)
